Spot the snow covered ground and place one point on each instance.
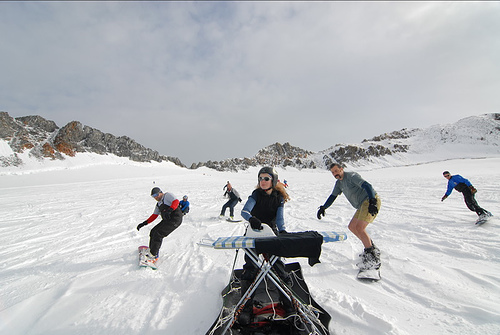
(68, 262)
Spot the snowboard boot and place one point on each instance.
(150, 258)
(376, 251)
(483, 214)
(370, 259)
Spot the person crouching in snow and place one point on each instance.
(184, 204)
(167, 207)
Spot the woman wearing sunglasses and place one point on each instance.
(264, 206)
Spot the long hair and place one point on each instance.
(280, 188)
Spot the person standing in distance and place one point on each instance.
(234, 197)
(363, 197)
(167, 207)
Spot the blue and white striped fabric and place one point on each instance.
(331, 236)
(234, 242)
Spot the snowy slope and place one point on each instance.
(471, 137)
(68, 262)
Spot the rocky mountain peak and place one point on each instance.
(45, 140)
(479, 132)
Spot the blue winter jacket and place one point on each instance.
(454, 181)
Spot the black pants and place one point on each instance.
(230, 204)
(471, 202)
(163, 229)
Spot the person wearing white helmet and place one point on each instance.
(167, 207)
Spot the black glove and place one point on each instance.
(255, 223)
(372, 207)
(321, 211)
(141, 225)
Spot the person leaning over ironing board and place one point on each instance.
(265, 206)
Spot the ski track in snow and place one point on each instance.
(69, 257)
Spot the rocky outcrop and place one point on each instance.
(44, 139)
(275, 155)
(476, 131)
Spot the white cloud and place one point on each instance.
(210, 74)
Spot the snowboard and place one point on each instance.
(233, 220)
(142, 259)
(369, 275)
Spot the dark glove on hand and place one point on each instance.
(141, 225)
(472, 189)
(372, 207)
(255, 223)
(321, 211)
(444, 197)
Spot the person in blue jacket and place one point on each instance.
(184, 204)
(465, 187)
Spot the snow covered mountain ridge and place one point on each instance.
(471, 137)
(33, 137)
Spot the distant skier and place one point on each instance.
(234, 197)
(168, 207)
(363, 197)
(465, 187)
(184, 204)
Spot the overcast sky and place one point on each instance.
(214, 80)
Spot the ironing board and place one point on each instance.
(252, 240)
